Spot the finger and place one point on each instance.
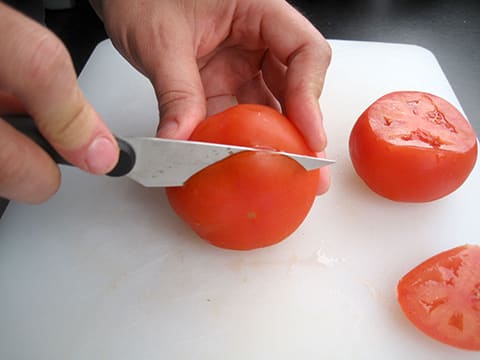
(302, 101)
(228, 68)
(36, 67)
(168, 59)
(307, 55)
(274, 74)
(32, 177)
(255, 91)
(216, 104)
(9, 104)
(180, 95)
(234, 73)
(161, 48)
(179, 92)
(28, 174)
(324, 181)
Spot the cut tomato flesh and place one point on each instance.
(442, 297)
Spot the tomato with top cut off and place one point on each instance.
(251, 199)
(412, 146)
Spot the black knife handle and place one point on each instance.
(25, 124)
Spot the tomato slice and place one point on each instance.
(441, 297)
(412, 146)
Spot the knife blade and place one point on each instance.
(157, 162)
(165, 162)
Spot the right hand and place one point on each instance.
(37, 74)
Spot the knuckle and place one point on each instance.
(47, 57)
(169, 99)
(12, 169)
(19, 176)
(327, 51)
(69, 129)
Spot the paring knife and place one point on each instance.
(156, 162)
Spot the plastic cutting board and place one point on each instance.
(105, 270)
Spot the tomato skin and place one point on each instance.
(251, 199)
(441, 297)
(409, 157)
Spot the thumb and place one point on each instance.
(163, 49)
(36, 68)
(178, 87)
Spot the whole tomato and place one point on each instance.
(251, 199)
(413, 146)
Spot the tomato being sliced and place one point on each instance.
(413, 146)
(441, 297)
(251, 199)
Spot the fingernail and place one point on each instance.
(102, 155)
(167, 128)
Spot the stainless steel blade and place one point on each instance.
(166, 162)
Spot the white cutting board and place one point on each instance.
(105, 270)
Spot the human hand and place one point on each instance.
(204, 56)
(37, 76)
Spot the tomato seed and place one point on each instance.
(476, 297)
(456, 320)
(430, 306)
(439, 118)
(387, 120)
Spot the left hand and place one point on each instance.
(204, 55)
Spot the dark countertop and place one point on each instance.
(450, 29)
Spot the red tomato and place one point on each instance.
(441, 297)
(251, 199)
(413, 146)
